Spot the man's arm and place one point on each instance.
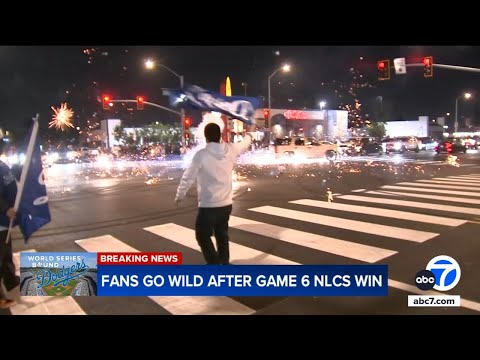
(243, 145)
(188, 178)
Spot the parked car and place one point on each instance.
(427, 143)
(308, 147)
(401, 144)
(471, 142)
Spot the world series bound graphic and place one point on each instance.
(58, 274)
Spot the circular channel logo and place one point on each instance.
(425, 280)
(446, 272)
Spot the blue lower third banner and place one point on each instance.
(243, 280)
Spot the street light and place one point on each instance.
(150, 65)
(466, 96)
(284, 68)
(322, 104)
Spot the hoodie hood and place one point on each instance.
(217, 150)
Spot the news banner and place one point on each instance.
(162, 274)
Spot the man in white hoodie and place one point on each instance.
(212, 168)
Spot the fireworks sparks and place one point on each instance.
(62, 117)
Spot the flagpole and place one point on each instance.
(23, 176)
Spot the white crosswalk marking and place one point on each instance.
(414, 204)
(438, 191)
(470, 178)
(450, 182)
(240, 254)
(473, 175)
(441, 186)
(458, 180)
(426, 196)
(354, 225)
(352, 250)
(43, 305)
(176, 305)
(394, 214)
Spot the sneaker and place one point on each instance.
(12, 286)
(6, 303)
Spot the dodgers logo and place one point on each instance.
(442, 273)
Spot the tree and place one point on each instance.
(377, 130)
(118, 132)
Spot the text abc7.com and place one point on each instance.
(442, 273)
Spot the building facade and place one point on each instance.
(322, 124)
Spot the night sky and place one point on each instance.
(34, 78)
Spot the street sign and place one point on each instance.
(400, 66)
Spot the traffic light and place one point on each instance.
(187, 136)
(428, 66)
(106, 99)
(140, 101)
(187, 122)
(383, 68)
(266, 115)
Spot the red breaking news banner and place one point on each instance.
(129, 258)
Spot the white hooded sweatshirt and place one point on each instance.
(212, 168)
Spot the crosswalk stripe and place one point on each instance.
(352, 250)
(440, 186)
(449, 182)
(239, 254)
(437, 191)
(347, 224)
(460, 180)
(414, 204)
(396, 214)
(176, 305)
(470, 178)
(426, 196)
(43, 305)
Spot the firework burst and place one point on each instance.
(62, 117)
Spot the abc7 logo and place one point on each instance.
(442, 274)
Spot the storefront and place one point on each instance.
(321, 124)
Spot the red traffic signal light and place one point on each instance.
(106, 99)
(383, 68)
(428, 66)
(140, 101)
(266, 114)
(187, 123)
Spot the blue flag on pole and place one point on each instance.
(33, 211)
(236, 107)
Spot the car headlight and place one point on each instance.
(71, 155)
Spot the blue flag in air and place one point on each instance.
(33, 211)
(236, 107)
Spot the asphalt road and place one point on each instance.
(280, 216)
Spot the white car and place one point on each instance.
(305, 146)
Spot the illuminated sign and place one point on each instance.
(296, 115)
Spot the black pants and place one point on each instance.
(214, 221)
(7, 266)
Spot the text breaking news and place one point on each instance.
(145, 274)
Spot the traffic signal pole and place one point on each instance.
(182, 117)
(444, 66)
(151, 104)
